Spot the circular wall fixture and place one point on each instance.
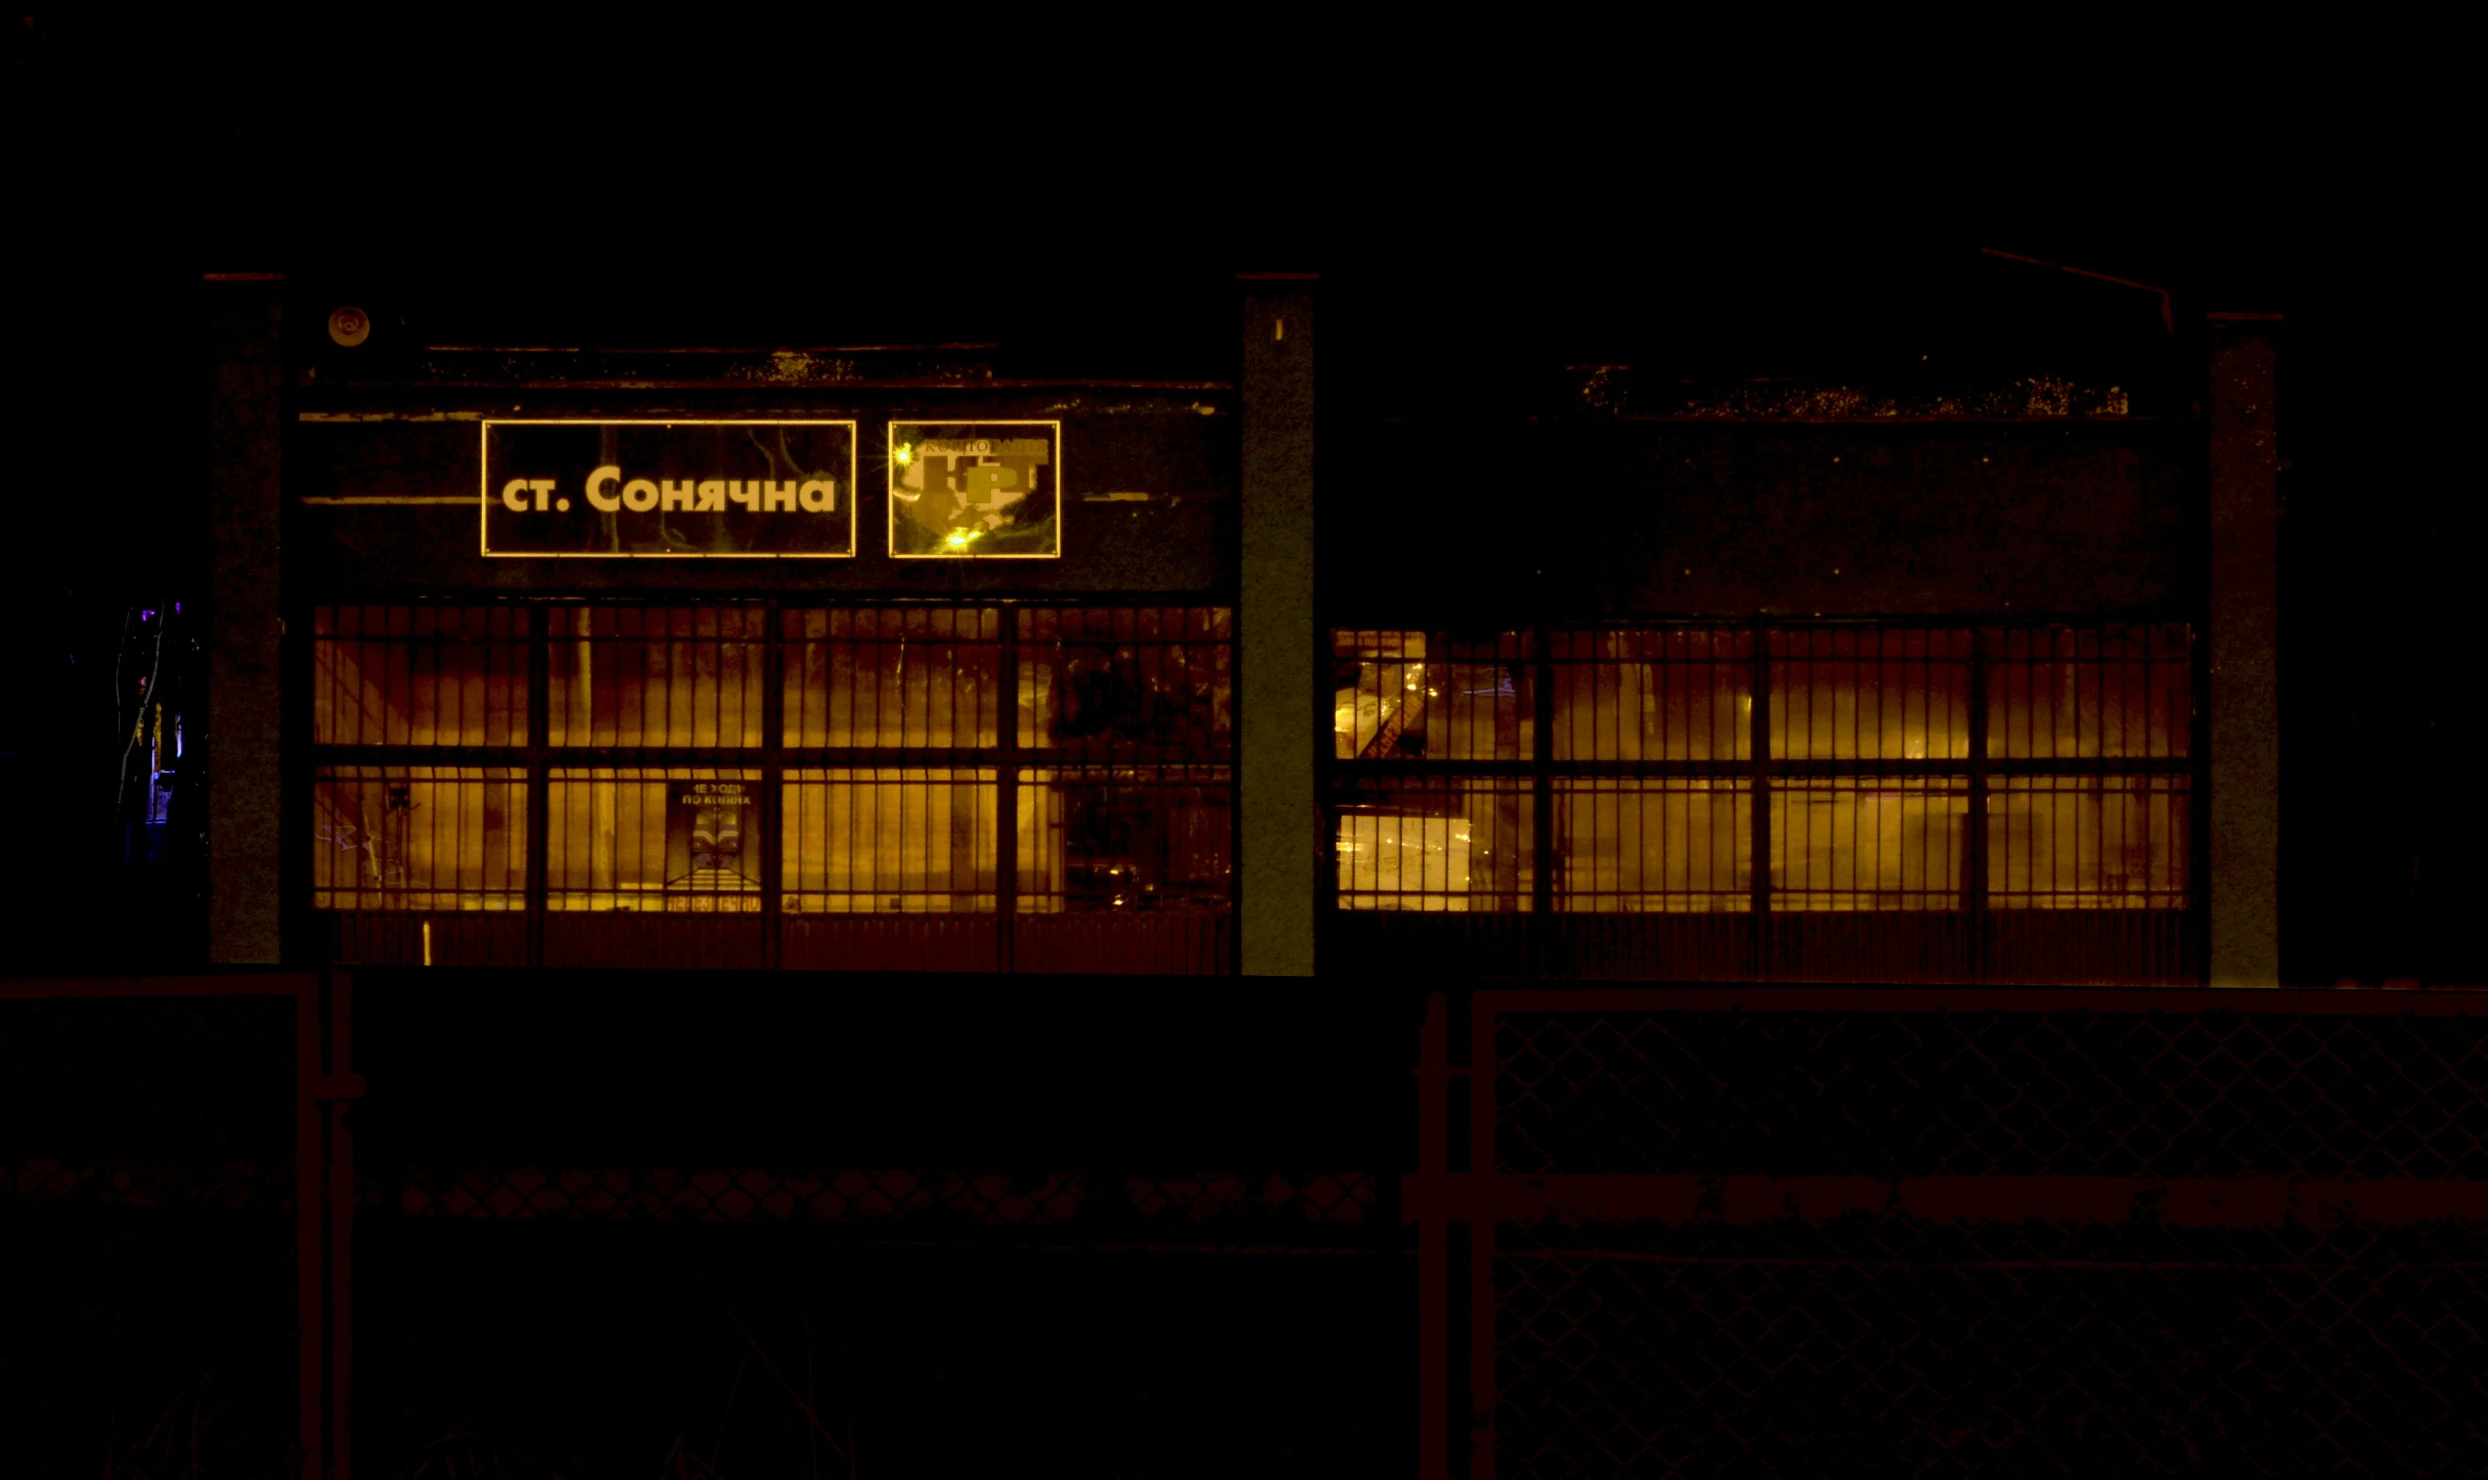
(349, 326)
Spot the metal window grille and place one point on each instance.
(1125, 838)
(1143, 682)
(418, 675)
(676, 841)
(1435, 843)
(779, 765)
(419, 838)
(1428, 696)
(1852, 694)
(1890, 843)
(2119, 690)
(655, 677)
(1947, 769)
(2087, 842)
(907, 678)
(890, 839)
(1666, 694)
(1632, 844)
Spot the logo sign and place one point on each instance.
(669, 489)
(976, 490)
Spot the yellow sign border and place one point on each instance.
(889, 464)
(855, 435)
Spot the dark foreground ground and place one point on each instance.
(1117, 1232)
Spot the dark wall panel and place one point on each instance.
(1175, 450)
(1502, 523)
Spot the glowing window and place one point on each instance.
(418, 675)
(2087, 842)
(1664, 694)
(649, 840)
(1870, 694)
(1632, 845)
(2087, 693)
(1125, 838)
(1436, 844)
(908, 677)
(655, 677)
(1428, 696)
(898, 840)
(419, 838)
(1889, 843)
(1138, 682)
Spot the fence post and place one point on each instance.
(2242, 699)
(324, 1081)
(1433, 1290)
(1481, 1216)
(308, 1281)
(1280, 726)
(339, 1087)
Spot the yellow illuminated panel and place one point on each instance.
(653, 840)
(985, 490)
(767, 489)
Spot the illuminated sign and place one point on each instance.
(669, 489)
(976, 490)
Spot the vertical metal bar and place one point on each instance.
(1327, 792)
(536, 632)
(1433, 1272)
(1974, 862)
(1006, 792)
(309, 1287)
(1758, 741)
(2199, 804)
(1485, 1069)
(341, 1088)
(772, 785)
(1542, 794)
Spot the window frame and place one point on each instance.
(1007, 753)
(1765, 773)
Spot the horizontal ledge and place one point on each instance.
(766, 386)
(238, 984)
(464, 501)
(1744, 1201)
(1860, 768)
(754, 351)
(1876, 998)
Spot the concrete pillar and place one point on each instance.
(245, 316)
(1276, 643)
(2244, 701)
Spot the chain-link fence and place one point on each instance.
(176, 1237)
(1808, 1231)
(1305, 1213)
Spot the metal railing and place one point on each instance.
(204, 1108)
(2020, 790)
(1926, 1231)
(750, 784)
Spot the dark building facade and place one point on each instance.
(873, 659)
(739, 831)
